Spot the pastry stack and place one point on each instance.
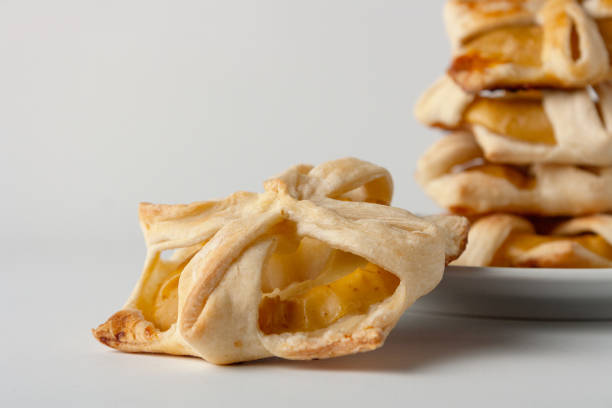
(527, 102)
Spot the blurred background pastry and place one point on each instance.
(528, 106)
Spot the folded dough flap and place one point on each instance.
(167, 226)
(455, 230)
(347, 179)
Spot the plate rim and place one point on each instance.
(531, 274)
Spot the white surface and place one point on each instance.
(50, 358)
(530, 293)
(107, 103)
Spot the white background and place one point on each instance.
(107, 103)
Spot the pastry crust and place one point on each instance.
(454, 173)
(598, 8)
(509, 240)
(225, 263)
(527, 43)
(580, 122)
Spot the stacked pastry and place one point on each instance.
(528, 103)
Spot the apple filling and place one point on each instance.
(520, 45)
(159, 299)
(521, 119)
(166, 302)
(308, 285)
(513, 174)
(322, 305)
(518, 243)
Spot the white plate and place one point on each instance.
(528, 293)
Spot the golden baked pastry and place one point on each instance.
(512, 241)
(455, 174)
(300, 271)
(599, 9)
(569, 127)
(529, 43)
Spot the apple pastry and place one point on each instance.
(511, 241)
(529, 43)
(569, 127)
(316, 266)
(456, 175)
